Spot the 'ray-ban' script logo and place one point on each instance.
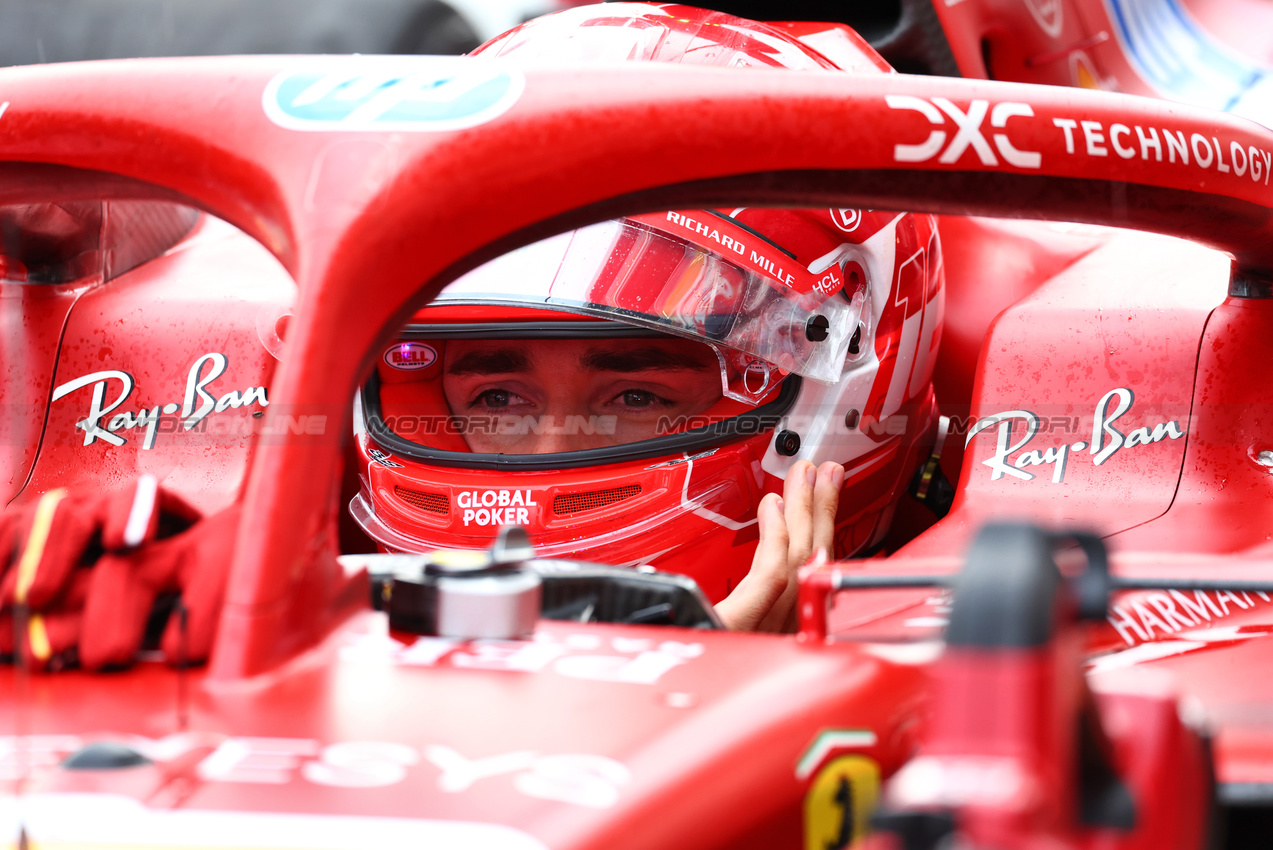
(1107, 440)
(199, 400)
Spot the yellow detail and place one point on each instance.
(1085, 78)
(36, 541)
(39, 637)
(460, 558)
(838, 805)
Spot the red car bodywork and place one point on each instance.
(1205, 53)
(312, 726)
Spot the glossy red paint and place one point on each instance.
(212, 389)
(33, 320)
(618, 726)
(1214, 54)
(1012, 764)
(1100, 338)
(53, 255)
(1220, 504)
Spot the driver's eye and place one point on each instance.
(494, 398)
(639, 398)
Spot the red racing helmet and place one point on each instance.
(783, 334)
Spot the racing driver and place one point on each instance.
(721, 393)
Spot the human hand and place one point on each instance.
(793, 528)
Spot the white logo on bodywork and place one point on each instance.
(968, 134)
(197, 402)
(1106, 441)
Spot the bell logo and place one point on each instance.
(409, 356)
(967, 126)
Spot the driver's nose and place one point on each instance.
(551, 443)
(562, 429)
(556, 434)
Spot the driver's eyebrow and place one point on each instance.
(641, 360)
(497, 361)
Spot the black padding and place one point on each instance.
(655, 615)
(1092, 587)
(918, 830)
(1006, 594)
(1104, 799)
(104, 755)
(596, 594)
(571, 590)
(940, 493)
(1246, 285)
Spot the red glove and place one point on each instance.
(88, 566)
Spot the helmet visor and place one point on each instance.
(749, 296)
(553, 387)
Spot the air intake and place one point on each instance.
(577, 503)
(434, 503)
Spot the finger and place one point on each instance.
(47, 639)
(144, 512)
(826, 502)
(765, 583)
(130, 516)
(797, 495)
(824, 485)
(785, 616)
(116, 612)
(781, 616)
(50, 545)
(52, 638)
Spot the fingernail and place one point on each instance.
(778, 505)
(811, 475)
(837, 476)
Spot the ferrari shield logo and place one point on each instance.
(838, 805)
(433, 94)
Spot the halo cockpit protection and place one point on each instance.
(629, 390)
